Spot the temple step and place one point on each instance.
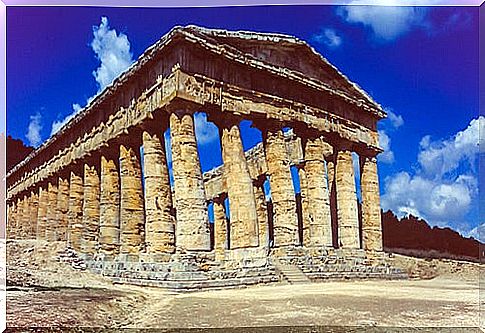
(291, 273)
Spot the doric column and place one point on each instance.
(20, 218)
(51, 223)
(12, 221)
(34, 210)
(192, 228)
(62, 208)
(261, 209)
(42, 213)
(348, 223)
(285, 220)
(132, 215)
(371, 209)
(25, 225)
(220, 227)
(91, 188)
(305, 214)
(333, 197)
(75, 212)
(160, 222)
(242, 205)
(320, 228)
(109, 207)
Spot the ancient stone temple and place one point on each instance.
(103, 185)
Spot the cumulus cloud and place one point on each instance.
(205, 131)
(113, 52)
(386, 20)
(33, 130)
(387, 156)
(328, 37)
(389, 125)
(395, 120)
(438, 158)
(444, 184)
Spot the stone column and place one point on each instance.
(25, 225)
(348, 223)
(242, 205)
(90, 221)
(333, 197)
(220, 227)
(371, 209)
(34, 210)
(109, 208)
(160, 221)
(12, 221)
(285, 220)
(62, 209)
(320, 228)
(51, 223)
(75, 212)
(304, 204)
(261, 210)
(132, 215)
(192, 228)
(42, 214)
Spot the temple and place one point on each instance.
(102, 184)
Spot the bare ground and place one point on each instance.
(42, 292)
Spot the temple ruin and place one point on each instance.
(115, 204)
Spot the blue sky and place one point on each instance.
(421, 64)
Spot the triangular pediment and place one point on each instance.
(286, 52)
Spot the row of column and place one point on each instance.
(105, 210)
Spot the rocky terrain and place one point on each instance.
(45, 292)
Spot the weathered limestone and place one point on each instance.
(132, 213)
(51, 218)
(371, 210)
(220, 227)
(332, 196)
(109, 208)
(42, 213)
(348, 223)
(262, 212)
(33, 209)
(25, 224)
(62, 209)
(10, 220)
(75, 212)
(192, 228)
(320, 228)
(285, 223)
(244, 218)
(90, 221)
(160, 222)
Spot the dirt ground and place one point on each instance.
(42, 292)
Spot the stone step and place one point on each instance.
(291, 273)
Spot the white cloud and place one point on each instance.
(444, 184)
(444, 156)
(205, 131)
(112, 50)
(387, 156)
(386, 20)
(328, 37)
(34, 128)
(395, 120)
